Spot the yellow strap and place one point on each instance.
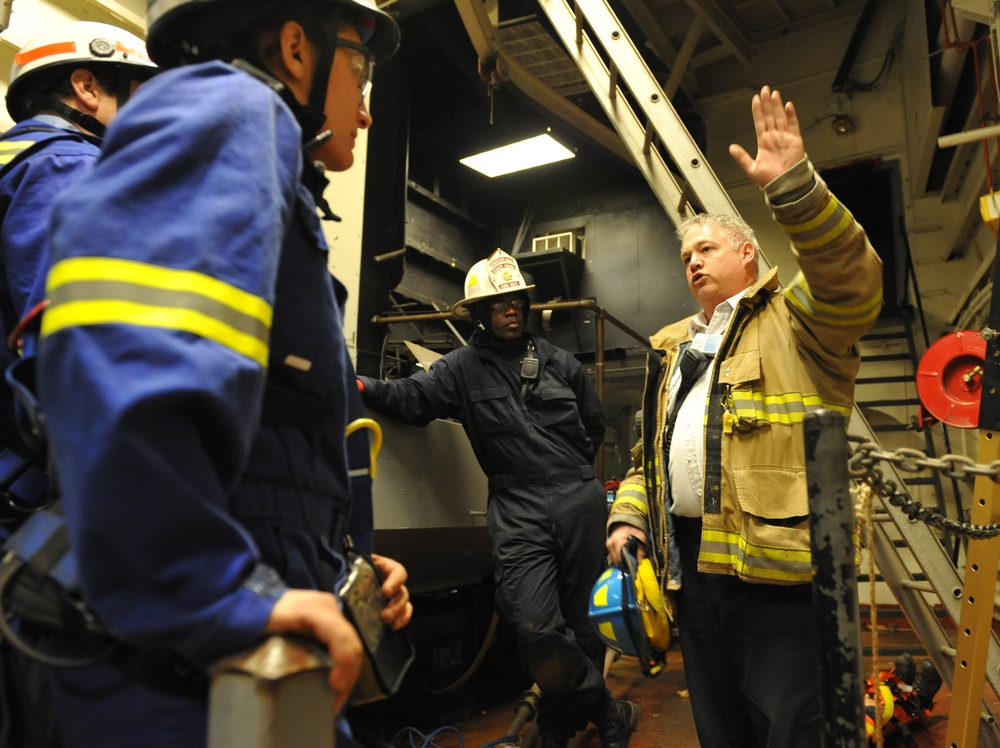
(376, 445)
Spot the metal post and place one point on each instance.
(599, 364)
(273, 696)
(835, 584)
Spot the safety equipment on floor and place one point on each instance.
(175, 26)
(905, 695)
(629, 612)
(950, 378)
(57, 51)
(497, 275)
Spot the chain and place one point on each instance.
(863, 465)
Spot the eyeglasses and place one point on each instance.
(502, 306)
(362, 63)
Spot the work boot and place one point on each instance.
(906, 668)
(926, 685)
(620, 721)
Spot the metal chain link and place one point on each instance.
(863, 465)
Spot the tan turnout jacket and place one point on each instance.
(786, 352)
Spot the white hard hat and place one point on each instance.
(73, 44)
(178, 27)
(497, 275)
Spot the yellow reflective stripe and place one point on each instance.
(631, 491)
(812, 233)
(786, 408)
(798, 295)
(749, 571)
(93, 291)
(731, 549)
(11, 149)
(155, 276)
(629, 501)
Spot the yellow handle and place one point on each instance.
(368, 423)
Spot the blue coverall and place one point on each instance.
(39, 158)
(546, 510)
(189, 274)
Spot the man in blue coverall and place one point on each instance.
(65, 86)
(192, 362)
(535, 424)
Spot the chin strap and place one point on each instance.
(88, 123)
(310, 120)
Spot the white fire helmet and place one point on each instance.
(497, 275)
(73, 44)
(180, 30)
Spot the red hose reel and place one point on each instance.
(950, 378)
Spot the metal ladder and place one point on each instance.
(895, 363)
(661, 147)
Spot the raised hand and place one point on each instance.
(779, 142)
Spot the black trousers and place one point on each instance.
(548, 547)
(751, 656)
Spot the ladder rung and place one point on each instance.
(884, 380)
(886, 357)
(887, 335)
(921, 586)
(888, 403)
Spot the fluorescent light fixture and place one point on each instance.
(525, 154)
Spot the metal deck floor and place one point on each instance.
(665, 713)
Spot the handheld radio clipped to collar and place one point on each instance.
(530, 365)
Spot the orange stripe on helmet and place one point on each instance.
(60, 48)
(126, 50)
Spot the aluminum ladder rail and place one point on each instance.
(942, 580)
(625, 72)
(619, 76)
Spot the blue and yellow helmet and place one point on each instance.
(630, 615)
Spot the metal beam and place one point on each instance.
(719, 23)
(691, 38)
(493, 57)
(105, 11)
